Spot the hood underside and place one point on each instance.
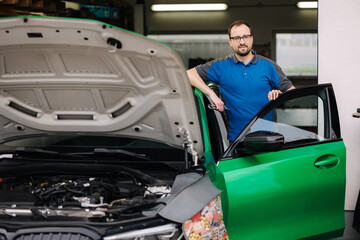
(69, 75)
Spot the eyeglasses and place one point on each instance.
(237, 39)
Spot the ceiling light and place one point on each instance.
(307, 4)
(189, 7)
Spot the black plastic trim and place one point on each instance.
(59, 233)
(121, 110)
(74, 117)
(288, 148)
(35, 35)
(23, 109)
(335, 122)
(114, 42)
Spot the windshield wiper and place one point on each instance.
(120, 151)
(77, 155)
(38, 151)
(30, 154)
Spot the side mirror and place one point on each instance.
(263, 141)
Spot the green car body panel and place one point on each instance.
(206, 136)
(261, 202)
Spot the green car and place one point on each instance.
(102, 137)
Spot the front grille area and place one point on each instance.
(53, 236)
(50, 233)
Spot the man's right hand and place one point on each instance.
(217, 101)
(196, 81)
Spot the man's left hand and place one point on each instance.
(274, 94)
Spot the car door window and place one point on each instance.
(300, 120)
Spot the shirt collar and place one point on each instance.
(253, 60)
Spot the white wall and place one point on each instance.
(339, 64)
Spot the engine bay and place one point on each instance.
(95, 198)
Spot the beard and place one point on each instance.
(242, 53)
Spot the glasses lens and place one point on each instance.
(238, 38)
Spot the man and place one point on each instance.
(246, 80)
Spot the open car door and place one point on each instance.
(284, 175)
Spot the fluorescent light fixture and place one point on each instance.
(307, 4)
(189, 7)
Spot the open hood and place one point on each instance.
(70, 75)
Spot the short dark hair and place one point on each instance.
(239, 23)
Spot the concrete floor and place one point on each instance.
(350, 233)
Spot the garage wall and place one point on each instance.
(339, 34)
(263, 19)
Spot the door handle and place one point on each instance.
(326, 161)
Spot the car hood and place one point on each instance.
(84, 76)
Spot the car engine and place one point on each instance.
(101, 198)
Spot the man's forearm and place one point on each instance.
(196, 81)
(291, 88)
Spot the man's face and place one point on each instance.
(242, 46)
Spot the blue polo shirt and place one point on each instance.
(245, 88)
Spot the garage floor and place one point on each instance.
(350, 233)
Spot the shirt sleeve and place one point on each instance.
(285, 83)
(213, 75)
(203, 70)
